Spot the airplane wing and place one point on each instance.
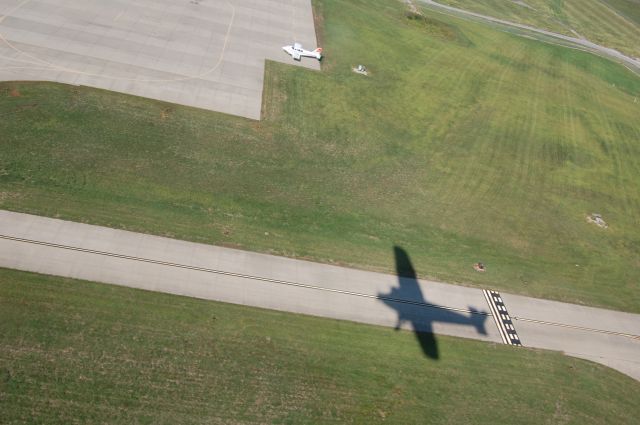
(296, 55)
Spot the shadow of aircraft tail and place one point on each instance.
(411, 306)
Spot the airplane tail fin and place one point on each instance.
(318, 53)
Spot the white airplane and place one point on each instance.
(297, 52)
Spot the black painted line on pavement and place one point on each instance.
(307, 286)
(239, 275)
(581, 328)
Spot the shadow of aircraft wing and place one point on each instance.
(411, 307)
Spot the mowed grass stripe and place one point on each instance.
(80, 351)
(597, 18)
(455, 147)
(629, 9)
(602, 22)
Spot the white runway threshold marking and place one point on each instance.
(501, 316)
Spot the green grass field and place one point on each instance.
(81, 352)
(611, 23)
(464, 144)
(629, 9)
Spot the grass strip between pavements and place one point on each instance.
(76, 351)
(463, 144)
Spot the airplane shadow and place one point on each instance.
(411, 306)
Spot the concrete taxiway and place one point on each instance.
(154, 263)
(204, 53)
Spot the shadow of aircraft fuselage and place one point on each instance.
(411, 306)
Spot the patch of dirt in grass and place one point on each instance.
(75, 98)
(7, 196)
(318, 21)
(560, 416)
(165, 113)
(435, 27)
(14, 92)
(26, 107)
(5, 375)
(520, 244)
(274, 97)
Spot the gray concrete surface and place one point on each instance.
(572, 329)
(136, 260)
(208, 54)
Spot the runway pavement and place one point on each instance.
(204, 53)
(154, 263)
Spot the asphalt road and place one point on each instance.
(154, 263)
(629, 62)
